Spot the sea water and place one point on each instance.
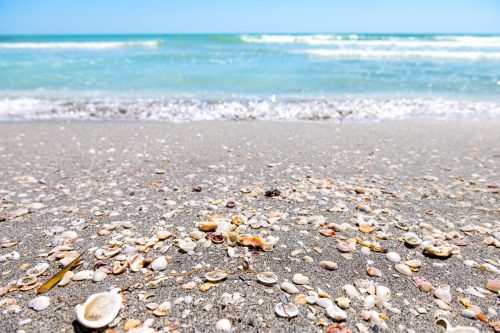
(249, 76)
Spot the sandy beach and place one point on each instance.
(335, 188)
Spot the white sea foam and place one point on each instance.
(335, 110)
(377, 54)
(81, 45)
(355, 41)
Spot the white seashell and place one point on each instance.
(289, 288)
(159, 264)
(223, 227)
(84, 275)
(332, 310)
(231, 252)
(443, 293)
(163, 234)
(300, 279)
(403, 269)
(187, 246)
(136, 262)
(328, 265)
(99, 309)
(27, 280)
(457, 329)
(351, 291)
(39, 303)
(66, 278)
(383, 293)
(288, 310)
(216, 276)
(99, 275)
(223, 325)
(38, 269)
(369, 302)
(474, 292)
(393, 257)
(312, 297)
(268, 278)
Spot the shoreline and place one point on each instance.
(437, 178)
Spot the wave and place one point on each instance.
(355, 40)
(82, 45)
(377, 54)
(180, 110)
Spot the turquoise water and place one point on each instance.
(250, 67)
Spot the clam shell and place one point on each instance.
(99, 309)
(39, 303)
(27, 280)
(214, 276)
(38, 269)
(136, 262)
(268, 278)
(288, 310)
(159, 264)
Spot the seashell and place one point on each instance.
(27, 280)
(253, 241)
(196, 235)
(300, 279)
(119, 267)
(130, 324)
(163, 234)
(163, 309)
(493, 285)
(403, 269)
(66, 279)
(343, 302)
(369, 302)
(438, 251)
(186, 246)
(445, 324)
(84, 275)
(328, 265)
(39, 303)
(414, 263)
(207, 226)
(216, 238)
(232, 238)
(136, 262)
(332, 310)
(383, 293)
(343, 246)
(351, 291)
(411, 239)
(38, 269)
(224, 325)
(327, 232)
(489, 268)
(443, 293)
(223, 227)
(289, 288)
(288, 310)
(99, 275)
(100, 309)
(312, 297)
(268, 278)
(159, 264)
(393, 257)
(372, 271)
(214, 276)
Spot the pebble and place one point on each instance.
(328, 265)
(300, 279)
(289, 288)
(393, 257)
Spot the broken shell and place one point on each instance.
(232, 238)
(136, 262)
(163, 309)
(186, 246)
(411, 239)
(328, 265)
(289, 288)
(27, 280)
(38, 269)
(288, 310)
(84, 275)
(159, 264)
(443, 293)
(99, 309)
(300, 279)
(67, 277)
(268, 278)
(445, 324)
(39, 303)
(163, 234)
(372, 271)
(99, 275)
(253, 241)
(214, 276)
(438, 251)
(119, 267)
(207, 226)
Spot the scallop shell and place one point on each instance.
(268, 278)
(39, 303)
(288, 310)
(38, 269)
(99, 309)
(214, 276)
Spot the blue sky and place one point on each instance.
(205, 16)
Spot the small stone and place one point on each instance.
(393, 257)
(300, 279)
(289, 288)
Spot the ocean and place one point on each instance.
(250, 76)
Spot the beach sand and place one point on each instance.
(424, 174)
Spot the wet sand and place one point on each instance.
(439, 178)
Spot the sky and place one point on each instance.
(226, 16)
